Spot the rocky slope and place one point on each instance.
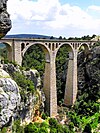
(9, 98)
(15, 101)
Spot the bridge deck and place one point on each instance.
(46, 40)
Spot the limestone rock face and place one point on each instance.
(5, 22)
(9, 97)
(31, 74)
(10, 68)
(34, 76)
(32, 102)
(89, 67)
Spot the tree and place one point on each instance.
(60, 37)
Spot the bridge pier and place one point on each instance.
(46, 86)
(9, 53)
(71, 80)
(50, 86)
(17, 55)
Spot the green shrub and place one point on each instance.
(66, 129)
(37, 124)
(43, 130)
(74, 118)
(87, 128)
(4, 130)
(60, 128)
(44, 116)
(71, 127)
(37, 128)
(53, 130)
(53, 122)
(16, 128)
(44, 124)
(23, 82)
(31, 128)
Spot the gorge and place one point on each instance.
(22, 99)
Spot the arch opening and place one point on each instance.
(83, 51)
(84, 47)
(62, 59)
(22, 46)
(35, 56)
(5, 52)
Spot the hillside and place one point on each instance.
(27, 36)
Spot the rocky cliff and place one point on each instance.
(15, 101)
(89, 69)
(9, 98)
(5, 22)
(88, 97)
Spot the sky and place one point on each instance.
(66, 18)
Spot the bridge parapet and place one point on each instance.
(52, 44)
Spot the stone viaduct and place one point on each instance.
(17, 48)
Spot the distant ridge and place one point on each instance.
(28, 36)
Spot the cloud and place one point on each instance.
(74, 16)
(30, 10)
(95, 8)
(51, 15)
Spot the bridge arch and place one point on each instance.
(68, 51)
(9, 50)
(42, 45)
(85, 47)
(69, 47)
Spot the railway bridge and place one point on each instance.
(18, 46)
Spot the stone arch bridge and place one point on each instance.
(17, 48)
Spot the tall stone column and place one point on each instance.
(50, 85)
(9, 53)
(17, 52)
(53, 89)
(71, 80)
(75, 87)
(46, 86)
